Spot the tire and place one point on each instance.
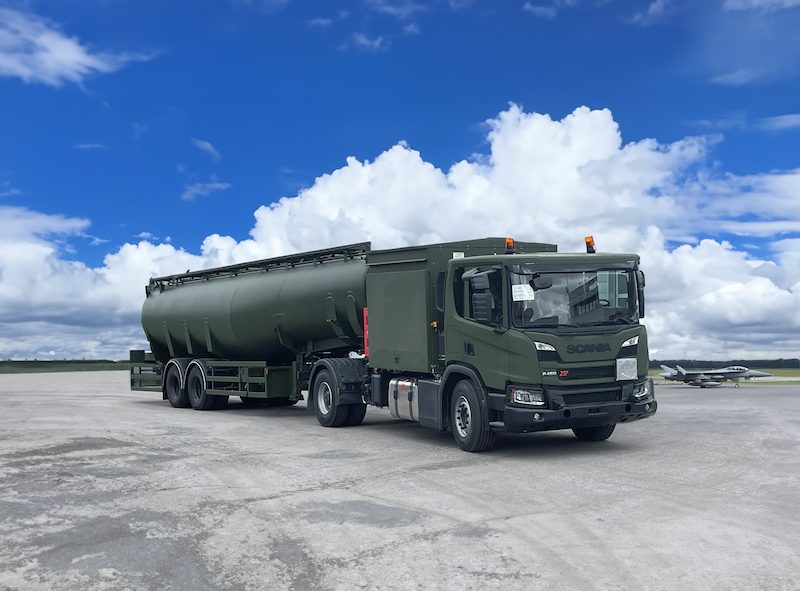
(594, 433)
(176, 395)
(220, 402)
(356, 416)
(468, 420)
(198, 397)
(329, 414)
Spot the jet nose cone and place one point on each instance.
(758, 374)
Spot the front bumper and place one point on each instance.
(526, 420)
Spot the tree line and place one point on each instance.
(751, 363)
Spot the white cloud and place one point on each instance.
(193, 190)
(781, 122)
(654, 12)
(267, 6)
(412, 29)
(35, 50)
(766, 5)
(540, 10)
(8, 190)
(90, 146)
(399, 9)
(363, 41)
(320, 23)
(737, 77)
(207, 147)
(543, 179)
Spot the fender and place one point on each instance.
(182, 363)
(200, 363)
(344, 371)
(450, 377)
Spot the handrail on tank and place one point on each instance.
(349, 251)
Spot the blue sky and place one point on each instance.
(129, 127)
(285, 91)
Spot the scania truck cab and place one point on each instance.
(555, 339)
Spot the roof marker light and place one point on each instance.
(589, 240)
(510, 246)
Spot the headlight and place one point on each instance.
(643, 390)
(543, 346)
(631, 341)
(526, 397)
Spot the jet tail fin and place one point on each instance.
(681, 370)
(667, 368)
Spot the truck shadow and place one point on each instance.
(385, 429)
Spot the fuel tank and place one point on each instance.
(268, 310)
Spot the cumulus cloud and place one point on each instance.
(35, 50)
(543, 179)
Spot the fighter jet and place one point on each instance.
(713, 377)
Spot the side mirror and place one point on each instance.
(640, 291)
(441, 284)
(482, 307)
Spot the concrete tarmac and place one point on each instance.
(103, 488)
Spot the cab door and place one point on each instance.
(477, 323)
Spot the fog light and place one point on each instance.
(537, 416)
(647, 406)
(526, 397)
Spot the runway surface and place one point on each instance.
(103, 488)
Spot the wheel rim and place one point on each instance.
(324, 398)
(463, 417)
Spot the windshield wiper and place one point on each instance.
(619, 320)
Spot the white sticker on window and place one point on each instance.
(458, 255)
(521, 293)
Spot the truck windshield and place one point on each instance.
(572, 298)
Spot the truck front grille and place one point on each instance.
(592, 397)
(586, 373)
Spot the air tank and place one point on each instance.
(267, 310)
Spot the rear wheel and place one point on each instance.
(468, 420)
(329, 413)
(356, 416)
(198, 397)
(594, 433)
(176, 394)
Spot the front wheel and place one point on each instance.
(329, 413)
(594, 433)
(468, 419)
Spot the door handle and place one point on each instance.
(469, 349)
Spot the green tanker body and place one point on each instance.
(470, 337)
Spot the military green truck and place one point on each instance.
(470, 337)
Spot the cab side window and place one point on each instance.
(484, 290)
